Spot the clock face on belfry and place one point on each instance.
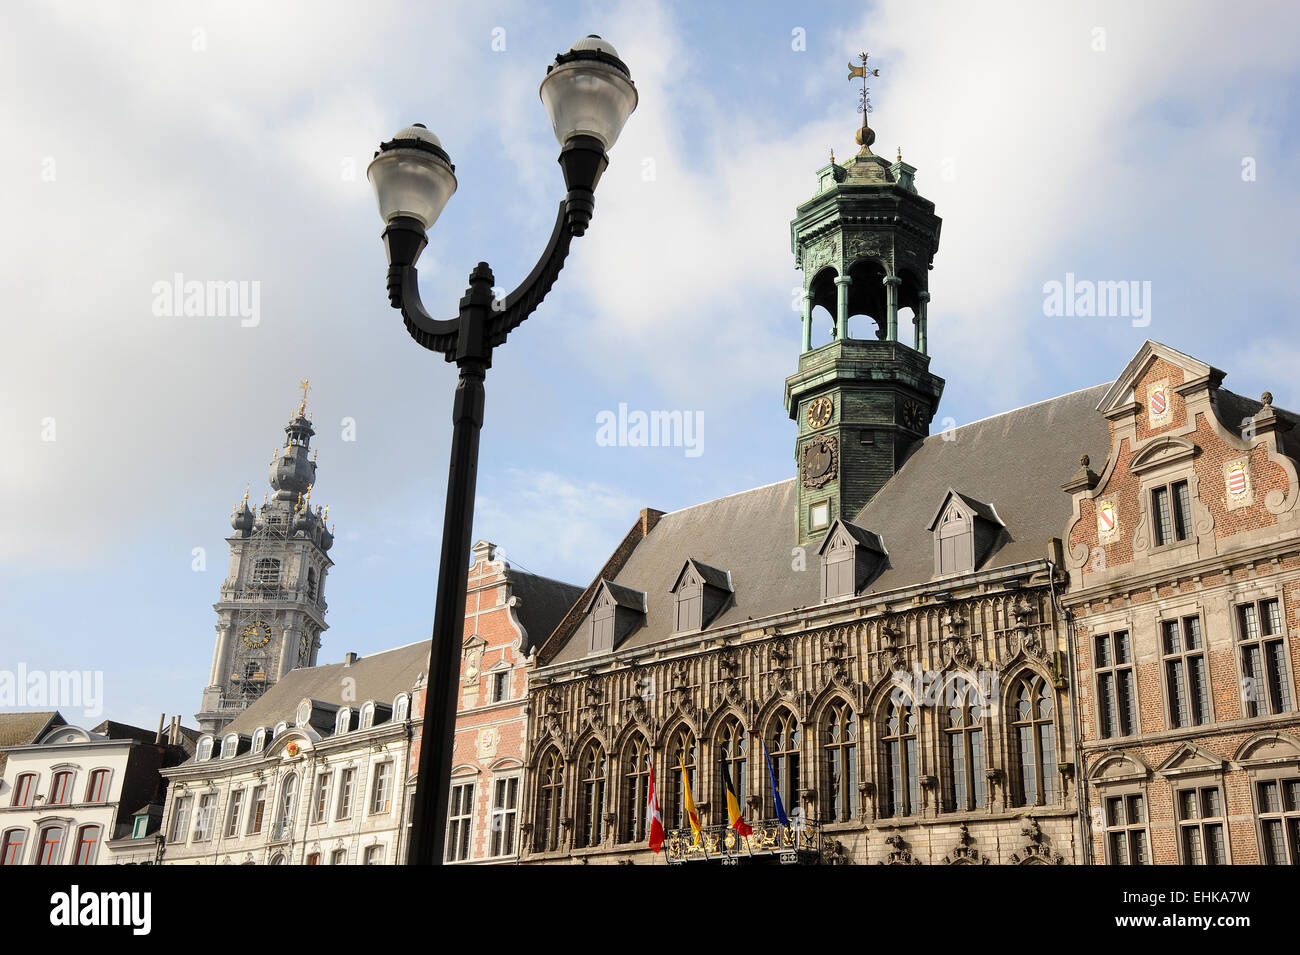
(819, 411)
(256, 635)
(913, 415)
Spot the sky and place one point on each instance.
(1150, 143)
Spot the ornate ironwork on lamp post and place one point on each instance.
(589, 94)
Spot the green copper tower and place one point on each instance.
(865, 244)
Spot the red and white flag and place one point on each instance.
(654, 816)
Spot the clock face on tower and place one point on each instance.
(913, 416)
(819, 412)
(256, 635)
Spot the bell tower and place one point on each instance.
(865, 243)
(272, 608)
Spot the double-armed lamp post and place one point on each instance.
(589, 94)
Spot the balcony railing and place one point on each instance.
(769, 843)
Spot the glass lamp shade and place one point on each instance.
(412, 176)
(589, 92)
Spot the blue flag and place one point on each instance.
(776, 791)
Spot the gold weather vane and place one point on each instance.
(864, 100)
(305, 385)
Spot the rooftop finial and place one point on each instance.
(246, 487)
(305, 385)
(866, 136)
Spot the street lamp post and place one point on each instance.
(589, 94)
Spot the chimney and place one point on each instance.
(158, 736)
(350, 658)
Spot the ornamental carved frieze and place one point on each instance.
(1036, 851)
(592, 712)
(965, 853)
(819, 461)
(836, 645)
(956, 648)
(552, 717)
(822, 253)
(641, 690)
(1025, 637)
(728, 689)
(863, 246)
(780, 678)
(899, 852)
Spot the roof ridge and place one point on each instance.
(1032, 404)
(725, 496)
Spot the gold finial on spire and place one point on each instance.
(305, 385)
(314, 455)
(832, 155)
(298, 507)
(266, 497)
(900, 154)
(327, 512)
(275, 455)
(246, 487)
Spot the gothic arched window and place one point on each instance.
(965, 787)
(681, 757)
(1033, 741)
(840, 746)
(731, 751)
(900, 758)
(783, 737)
(591, 777)
(550, 793)
(636, 789)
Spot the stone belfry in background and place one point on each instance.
(865, 243)
(272, 608)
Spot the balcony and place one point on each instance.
(770, 844)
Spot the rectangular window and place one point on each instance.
(180, 819)
(1201, 826)
(505, 808)
(48, 848)
(11, 850)
(374, 856)
(61, 790)
(98, 789)
(339, 857)
(258, 812)
(1171, 513)
(1265, 671)
(1187, 682)
(1278, 808)
(345, 793)
(380, 790)
(203, 819)
(500, 685)
(1126, 832)
(1116, 699)
(25, 789)
(321, 802)
(87, 843)
(460, 814)
(236, 813)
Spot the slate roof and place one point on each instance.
(380, 677)
(543, 602)
(20, 729)
(1015, 462)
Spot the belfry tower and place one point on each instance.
(865, 243)
(272, 608)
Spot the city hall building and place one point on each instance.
(941, 648)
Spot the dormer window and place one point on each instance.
(205, 749)
(259, 739)
(965, 531)
(699, 592)
(613, 613)
(851, 557)
(343, 722)
(303, 716)
(279, 729)
(401, 708)
(230, 746)
(367, 715)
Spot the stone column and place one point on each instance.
(842, 284)
(220, 655)
(922, 311)
(807, 320)
(891, 283)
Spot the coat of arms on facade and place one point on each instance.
(1107, 522)
(1237, 483)
(1159, 405)
(819, 461)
